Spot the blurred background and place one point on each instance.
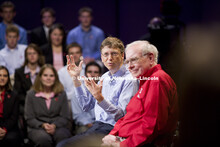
(189, 50)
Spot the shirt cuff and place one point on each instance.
(104, 104)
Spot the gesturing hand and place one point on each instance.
(72, 69)
(94, 89)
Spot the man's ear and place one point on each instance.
(151, 56)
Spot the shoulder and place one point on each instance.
(21, 29)
(46, 47)
(22, 46)
(31, 93)
(11, 94)
(62, 95)
(1, 26)
(19, 70)
(106, 74)
(3, 51)
(37, 29)
(97, 29)
(74, 30)
(63, 70)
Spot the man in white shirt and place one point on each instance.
(12, 55)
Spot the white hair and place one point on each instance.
(146, 48)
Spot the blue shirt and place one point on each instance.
(116, 92)
(90, 41)
(22, 34)
(12, 58)
(80, 117)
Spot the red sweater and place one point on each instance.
(152, 113)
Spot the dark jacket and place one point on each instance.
(38, 36)
(48, 53)
(22, 85)
(37, 113)
(10, 111)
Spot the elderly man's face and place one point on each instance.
(137, 63)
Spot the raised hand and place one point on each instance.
(94, 89)
(72, 68)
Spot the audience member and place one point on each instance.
(81, 119)
(87, 35)
(93, 70)
(9, 134)
(54, 51)
(46, 109)
(109, 98)
(12, 55)
(40, 35)
(151, 116)
(25, 75)
(7, 12)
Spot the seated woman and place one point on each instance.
(55, 50)
(9, 134)
(24, 79)
(46, 109)
(25, 75)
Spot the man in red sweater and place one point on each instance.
(152, 113)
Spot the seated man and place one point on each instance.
(7, 12)
(12, 55)
(109, 98)
(87, 35)
(151, 116)
(40, 35)
(81, 119)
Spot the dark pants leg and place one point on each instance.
(92, 137)
(40, 138)
(61, 134)
(11, 139)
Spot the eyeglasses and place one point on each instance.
(133, 60)
(113, 54)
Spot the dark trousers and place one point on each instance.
(11, 139)
(92, 137)
(41, 138)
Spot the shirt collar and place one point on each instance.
(150, 72)
(27, 69)
(8, 49)
(83, 30)
(41, 94)
(118, 73)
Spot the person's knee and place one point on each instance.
(42, 139)
(61, 134)
(12, 137)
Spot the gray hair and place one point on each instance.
(146, 48)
